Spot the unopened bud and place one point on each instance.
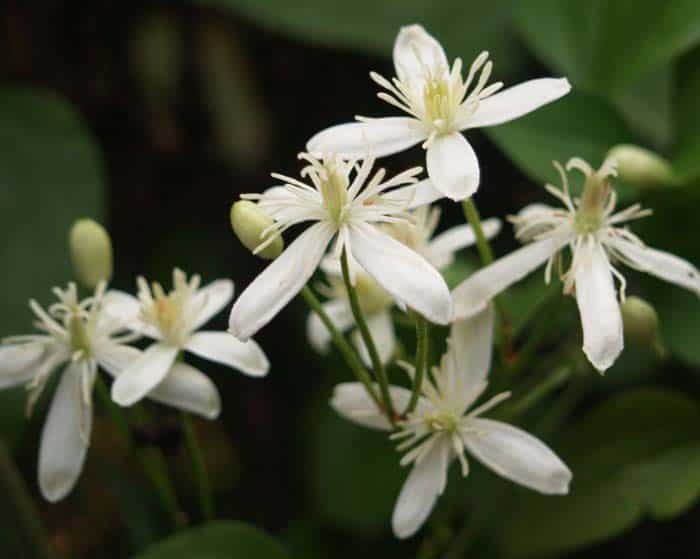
(641, 166)
(249, 222)
(91, 252)
(641, 324)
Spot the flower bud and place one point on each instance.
(91, 252)
(640, 166)
(641, 324)
(248, 222)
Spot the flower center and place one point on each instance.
(443, 421)
(334, 190)
(437, 102)
(79, 340)
(589, 216)
(168, 312)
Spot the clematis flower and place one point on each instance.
(375, 301)
(441, 105)
(593, 231)
(445, 426)
(77, 337)
(349, 210)
(173, 320)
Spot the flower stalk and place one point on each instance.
(199, 469)
(377, 365)
(422, 351)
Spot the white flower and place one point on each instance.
(441, 104)
(375, 301)
(349, 210)
(592, 230)
(173, 320)
(442, 427)
(80, 336)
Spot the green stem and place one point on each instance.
(544, 388)
(422, 347)
(342, 345)
(151, 460)
(199, 470)
(361, 324)
(19, 518)
(472, 214)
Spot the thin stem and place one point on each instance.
(151, 459)
(342, 345)
(546, 386)
(199, 469)
(367, 338)
(422, 348)
(472, 214)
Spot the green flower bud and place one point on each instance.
(248, 222)
(640, 166)
(641, 324)
(91, 252)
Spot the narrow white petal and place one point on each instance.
(376, 137)
(210, 300)
(471, 344)
(121, 305)
(661, 264)
(518, 456)
(517, 101)
(402, 272)
(442, 247)
(452, 166)
(279, 282)
(65, 437)
(418, 194)
(424, 485)
(223, 348)
(114, 358)
(600, 311)
(382, 329)
(338, 310)
(414, 49)
(350, 399)
(190, 390)
(19, 362)
(143, 374)
(477, 290)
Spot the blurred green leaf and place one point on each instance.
(577, 125)
(604, 45)
(50, 174)
(629, 456)
(354, 472)
(464, 27)
(218, 540)
(687, 117)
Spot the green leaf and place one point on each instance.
(464, 27)
(604, 45)
(577, 125)
(50, 174)
(630, 456)
(687, 117)
(218, 540)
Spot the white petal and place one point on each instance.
(382, 329)
(402, 272)
(65, 437)
(414, 49)
(339, 312)
(376, 137)
(114, 358)
(452, 166)
(350, 399)
(18, 363)
(442, 247)
(279, 282)
(518, 456)
(143, 374)
(190, 390)
(477, 290)
(211, 299)
(661, 264)
(516, 101)
(424, 485)
(471, 344)
(418, 194)
(600, 311)
(121, 305)
(222, 347)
